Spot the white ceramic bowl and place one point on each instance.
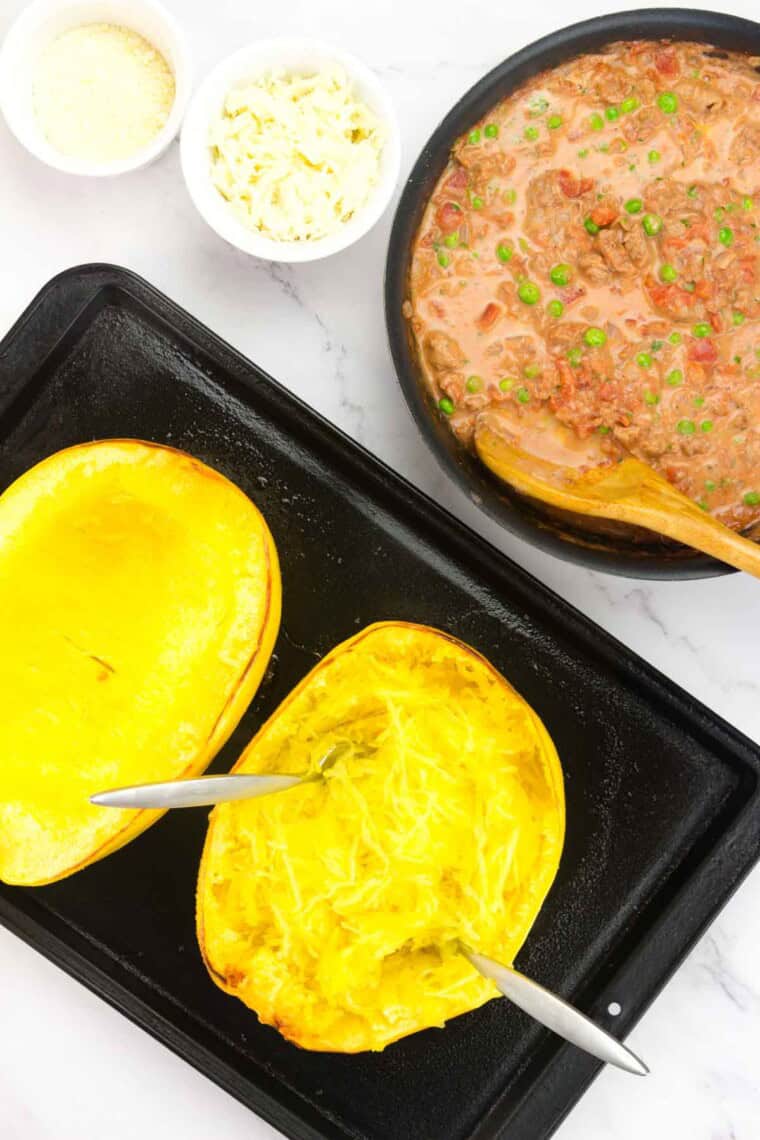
(44, 20)
(294, 56)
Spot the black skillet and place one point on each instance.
(617, 551)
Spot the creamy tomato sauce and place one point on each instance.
(589, 263)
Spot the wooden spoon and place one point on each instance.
(628, 491)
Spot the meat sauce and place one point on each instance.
(589, 263)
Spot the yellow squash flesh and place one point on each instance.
(335, 910)
(140, 601)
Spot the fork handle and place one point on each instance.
(202, 791)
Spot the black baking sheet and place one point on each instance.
(663, 812)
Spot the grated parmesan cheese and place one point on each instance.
(296, 156)
(102, 92)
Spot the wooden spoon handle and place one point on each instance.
(628, 492)
(704, 533)
(635, 493)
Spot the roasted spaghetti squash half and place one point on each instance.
(335, 910)
(140, 595)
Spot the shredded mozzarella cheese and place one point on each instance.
(296, 156)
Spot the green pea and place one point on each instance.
(575, 356)
(699, 401)
(507, 384)
(668, 273)
(706, 425)
(553, 122)
(443, 259)
(686, 427)
(596, 122)
(561, 274)
(504, 252)
(451, 240)
(629, 104)
(591, 227)
(611, 114)
(555, 309)
(652, 224)
(476, 202)
(491, 131)
(656, 345)
(523, 395)
(674, 378)
(738, 318)
(702, 504)
(595, 337)
(446, 405)
(651, 397)
(474, 137)
(474, 384)
(528, 292)
(675, 338)
(634, 206)
(710, 485)
(583, 153)
(667, 101)
(702, 329)
(751, 498)
(654, 156)
(719, 213)
(644, 360)
(510, 196)
(531, 371)
(747, 202)
(692, 192)
(603, 429)
(726, 235)
(531, 133)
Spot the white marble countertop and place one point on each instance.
(70, 1067)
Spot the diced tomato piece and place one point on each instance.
(668, 296)
(449, 217)
(696, 232)
(748, 268)
(703, 352)
(604, 215)
(458, 180)
(571, 186)
(488, 317)
(666, 62)
(571, 293)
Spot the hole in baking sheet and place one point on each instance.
(614, 1009)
